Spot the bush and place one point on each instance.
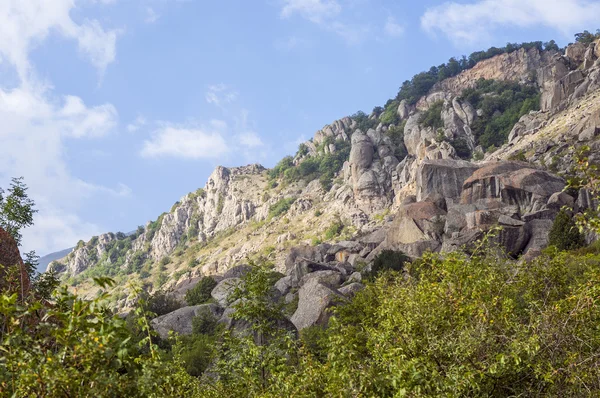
(334, 229)
(432, 117)
(388, 260)
(205, 323)
(281, 207)
(564, 234)
(160, 303)
(197, 353)
(200, 293)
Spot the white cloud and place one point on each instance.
(474, 22)
(35, 129)
(185, 142)
(327, 15)
(220, 94)
(151, 15)
(250, 139)
(317, 11)
(24, 24)
(36, 123)
(138, 123)
(392, 28)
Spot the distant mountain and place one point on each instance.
(47, 259)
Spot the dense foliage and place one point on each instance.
(324, 166)
(502, 104)
(565, 234)
(200, 293)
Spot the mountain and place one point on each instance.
(452, 156)
(48, 258)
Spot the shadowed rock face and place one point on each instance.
(512, 183)
(13, 275)
(443, 177)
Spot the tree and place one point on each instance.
(564, 234)
(16, 209)
(200, 293)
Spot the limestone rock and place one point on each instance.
(313, 303)
(180, 321)
(223, 290)
(442, 177)
(351, 289)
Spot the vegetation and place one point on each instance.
(432, 116)
(281, 207)
(16, 209)
(200, 293)
(421, 83)
(502, 103)
(564, 234)
(324, 166)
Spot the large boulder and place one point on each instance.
(332, 279)
(314, 301)
(224, 289)
(511, 183)
(180, 321)
(443, 177)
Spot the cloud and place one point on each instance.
(317, 11)
(138, 123)
(37, 124)
(474, 22)
(220, 94)
(327, 15)
(24, 24)
(250, 139)
(36, 127)
(185, 142)
(392, 28)
(151, 15)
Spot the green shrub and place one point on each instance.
(166, 260)
(564, 234)
(200, 293)
(205, 322)
(388, 260)
(334, 230)
(281, 207)
(160, 302)
(432, 117)
(197, 352)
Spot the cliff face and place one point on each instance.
(428, 200)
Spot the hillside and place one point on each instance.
(486, 146)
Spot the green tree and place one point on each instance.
(200, 293)
(564, 234)
(16, 209)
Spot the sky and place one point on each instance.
(112, 110)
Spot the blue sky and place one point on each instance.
(114, 109)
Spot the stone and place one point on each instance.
(351, 289)
(284, 285)
(180, 321)
(442, 178)
(588, 134)
(511, 183)
(538, 231)
(314, 301)
(239, 271)
(223, 290)
(509, 221)
(560, 199)
(332, 279)
(355, 277)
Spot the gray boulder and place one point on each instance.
(443, 177)
(223, 290)
(180, 321)
(351, 289)
(331, 279)
(239, 271)
(314, 301)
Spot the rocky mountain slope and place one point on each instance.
(364, 184)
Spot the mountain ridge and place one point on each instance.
(250, 211)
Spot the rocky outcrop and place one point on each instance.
(315, 300)
(180, 321)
